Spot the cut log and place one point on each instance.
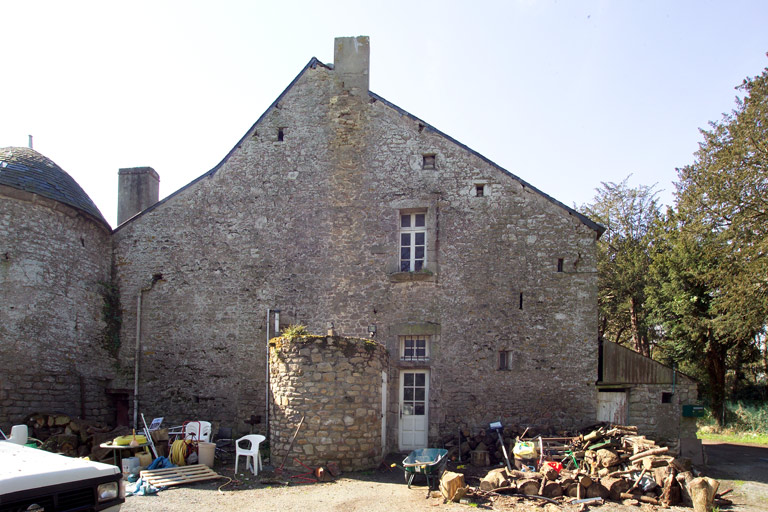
(655, 462)
(615, 486)
(495, 479)
(597, 490)
(683, 479)
(584, 480)
(528, 487)
(452, 486)
(551, 490)
(640, 497)
(594, 436)
(670, 493)
(607, 458)
(648, 453)
(702, 491)
(571, 489)
(548, 472)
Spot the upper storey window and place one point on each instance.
(413, 241)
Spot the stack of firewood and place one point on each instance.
(482, 444)
(615, 463)
(60, 433)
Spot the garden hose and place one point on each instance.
(179, 452)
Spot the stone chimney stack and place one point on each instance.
(138, 188)
(351, 60)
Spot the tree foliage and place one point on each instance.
(712, 268)
(628, 215)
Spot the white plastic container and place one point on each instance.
(130, 465)
(206, 452)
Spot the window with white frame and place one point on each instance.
(413, 241)
(414, 348)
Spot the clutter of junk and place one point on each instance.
(603, 462)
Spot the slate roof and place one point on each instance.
(26, 169)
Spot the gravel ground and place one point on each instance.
(381, 490)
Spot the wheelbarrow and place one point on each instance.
(429, 462)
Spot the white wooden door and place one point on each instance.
(612, 407)
(414, 410)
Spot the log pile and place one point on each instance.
(60, 433)
(614, 463)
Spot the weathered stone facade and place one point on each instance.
(656, 409)
(492, 301)
(53, 263)
(334, 385)
(304, 216)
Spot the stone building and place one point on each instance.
(55, 354)
(336, 209)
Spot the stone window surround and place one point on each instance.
(430, 270)
(399, 331)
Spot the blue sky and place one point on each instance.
(564, 94)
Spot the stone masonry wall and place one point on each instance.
(52, 357)
(334, 383)
(309, 225)
(663, 421)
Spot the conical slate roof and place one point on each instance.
(26, 169)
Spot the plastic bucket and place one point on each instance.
(206, 452)
(130, 465)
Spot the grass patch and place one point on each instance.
(726, 436)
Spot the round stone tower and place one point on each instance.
(55, 353)
(335, 385)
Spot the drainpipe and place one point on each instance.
(136, 361)
(266, 385)
(137, 352)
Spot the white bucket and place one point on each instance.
(206, 452)
(130, 465)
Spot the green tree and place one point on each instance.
(713, 303)
(628, 215)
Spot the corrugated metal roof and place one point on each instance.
(26, 169)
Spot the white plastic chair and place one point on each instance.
(198, 430)
(251, 454)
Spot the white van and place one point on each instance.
(36, 480)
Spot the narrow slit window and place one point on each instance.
(559, 264)
(280, 134)
(504, 357)
(521, 300)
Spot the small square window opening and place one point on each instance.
(666, 397)
(414, 348)
(479, 190)
(429, 162)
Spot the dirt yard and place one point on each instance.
(741, 467)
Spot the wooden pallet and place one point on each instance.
(179, 475)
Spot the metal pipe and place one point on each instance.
(266, 386)
(136, 361)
